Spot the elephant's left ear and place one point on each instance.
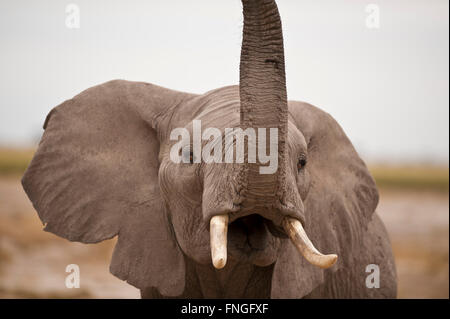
(339, 206)
(95, 176)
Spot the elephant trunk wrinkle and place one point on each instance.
(263, 93)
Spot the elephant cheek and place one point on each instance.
(303, 184)
(182, 196)
(192, 235)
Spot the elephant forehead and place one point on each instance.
(296, 140)
(216, 109)
(219, 109)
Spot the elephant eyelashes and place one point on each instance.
(301, 164)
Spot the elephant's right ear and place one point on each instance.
(95, 176)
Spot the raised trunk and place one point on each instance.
(264, 106)
(263, 92)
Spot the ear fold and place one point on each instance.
(95, 176)
(340, 203)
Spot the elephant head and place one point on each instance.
(104, 168)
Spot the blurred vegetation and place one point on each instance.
(425, 177)
(13, 162)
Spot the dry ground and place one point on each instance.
(33, 262)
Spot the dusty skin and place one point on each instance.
(32, 262)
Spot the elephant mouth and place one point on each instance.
(253, 232)
(256, 239)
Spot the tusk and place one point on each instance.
(297, 234)
(218, 236)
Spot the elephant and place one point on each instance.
(215, 230)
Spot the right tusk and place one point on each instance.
(218, 229)
(297, 234)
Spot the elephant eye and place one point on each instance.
(191, 157)
(301, 164)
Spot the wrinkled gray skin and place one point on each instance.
(103, 169)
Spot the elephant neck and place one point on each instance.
(235, 281)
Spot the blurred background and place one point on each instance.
(380, 70)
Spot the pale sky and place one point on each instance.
(387, 87)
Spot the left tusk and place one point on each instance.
(218, 229)
(297, 234)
